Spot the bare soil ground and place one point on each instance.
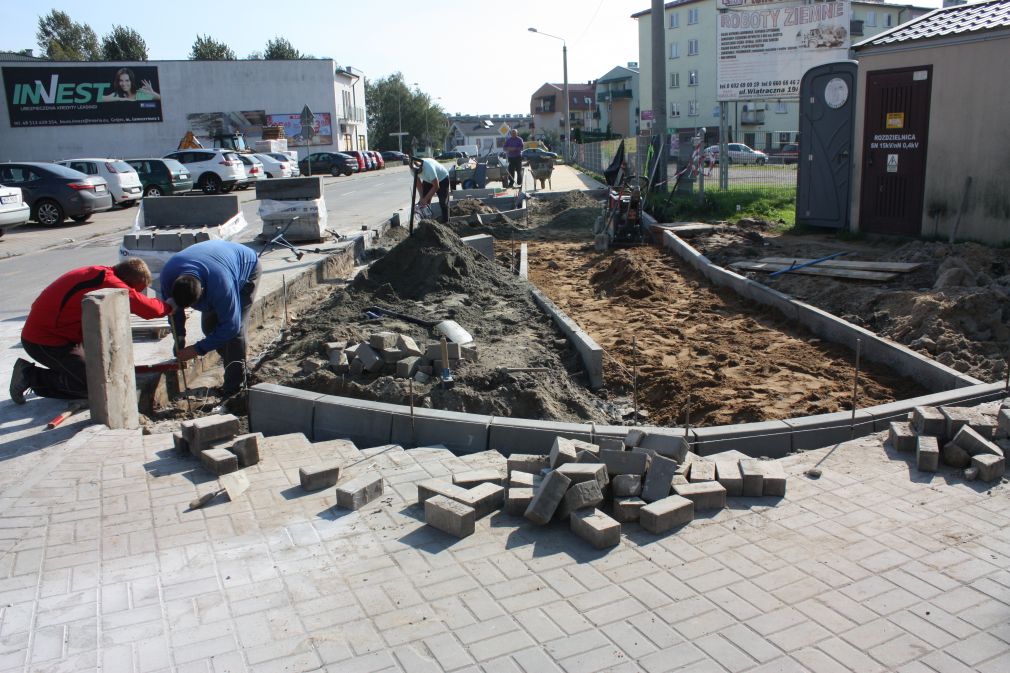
(954, 308)
(736, 363)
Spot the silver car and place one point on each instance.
(738, 154)
(13, 210)
(275, 168)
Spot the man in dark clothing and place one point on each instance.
(217, 278)
(52, 335)
(514, 152)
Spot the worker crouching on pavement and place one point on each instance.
(219, 279)
(432, 178)
(52, 334)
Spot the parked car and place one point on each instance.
(55, 192)
(162, 177)
(13, 210)
(124, 183)
(334, 163)
(380, 163)
(739, 154)
(274, 167)
(290, 158)
(254, 171)
(789, 153)
(214, 170)
(364, 162)
(538, 153)
(449, 156)
(393, 156)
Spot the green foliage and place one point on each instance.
(392, 105)
(279, 49)
(774, 204)
(206, 48)
(62, 39)
(124, 44)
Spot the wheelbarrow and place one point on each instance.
(541, 169)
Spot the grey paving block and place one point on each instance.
(627, 485)
(727, 473)
(596, 528)
(971, 441)
(929, 421)
(753, 478)
(1002, 423)
(522, 480)
(547, 498)
(662, 515)
(363, 422)
(580, 496)
(200, 433)
(563, 451)
(521, 435)
(658, 478)
(627, 509)
(901, 436)
(473, 478)
(449, 516)
(219, 461)
(702, 470)
(526, 462)
(706, 495)
(668, 443)
(927, 454)
(380, 341)
(247, 448)
(624, 462)
(774, 482)
(429, 488)
(359, 491)
(278, 410)
(517, 499)
(990, 467)
(179, 443)
(316, 477)
(484, 498)
(579, 472)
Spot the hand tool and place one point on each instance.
(72, 409)
(234, 484)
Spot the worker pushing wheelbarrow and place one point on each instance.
(541, 168)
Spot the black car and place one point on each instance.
(446, 156)
(334, 163)
(393, 155)
(162, 177)
(538, 153)
(56, 192)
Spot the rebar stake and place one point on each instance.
(855, 389)
(634, 369)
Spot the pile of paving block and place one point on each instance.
(390, 353)
(216, 442)
(581, 482)
(962, 437)
(294, 206)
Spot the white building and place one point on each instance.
(618, 100)
(692, 70)
(54, 110)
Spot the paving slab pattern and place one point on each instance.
(872, 567)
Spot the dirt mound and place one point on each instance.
(626, 276)
(470, 207)
(576, 218)
(553, 206)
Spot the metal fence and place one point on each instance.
(597, 156)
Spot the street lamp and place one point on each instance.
(564, 60)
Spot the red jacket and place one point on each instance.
(55, 318)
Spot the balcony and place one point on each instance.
(604, 96)
(856, 27)
(352, 115)
(752, 117)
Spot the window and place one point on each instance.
(871, 19)
(888, 20)
(674, 50)
(674, 109)
(692, 47)
(692, 15)
(347, 141)
(674, 80)
(692, 78)
(346, 98)
(780, 108)
(692, 108)
(674, 19)
(361, 142)
(783, 138)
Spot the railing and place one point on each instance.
(614, 95)
(353, 114)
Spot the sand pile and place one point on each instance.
(470, 207)
(626, 276)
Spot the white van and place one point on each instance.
(471, 150)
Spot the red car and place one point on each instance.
(359, 157)
(379, 161)
(790, 153)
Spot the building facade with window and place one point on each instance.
(547, 108)
(690, 31)
(484, 131)
(617, 99)
(57, 110)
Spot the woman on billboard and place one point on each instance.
(124, 87)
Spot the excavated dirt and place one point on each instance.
(954, 308)
(690, 345)
(471, 207)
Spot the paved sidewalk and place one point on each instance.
(872, 567)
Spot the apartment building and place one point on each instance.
(617, 98)
(691, 50)
(547, 108)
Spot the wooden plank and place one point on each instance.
(896, 267)
(816, 271)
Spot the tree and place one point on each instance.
(206, 48)
(124, 44)
(279, 49)
(390, 105)
(62, 39)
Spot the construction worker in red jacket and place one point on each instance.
(52, 335)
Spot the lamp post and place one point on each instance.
(564, 61)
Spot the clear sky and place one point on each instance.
(478, 57)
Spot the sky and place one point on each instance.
(477, 57)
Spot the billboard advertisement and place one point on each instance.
(210, 124)
(47, 95)
(322, 129)
(765, 47)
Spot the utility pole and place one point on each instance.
(659, 110)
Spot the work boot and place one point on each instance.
(19, 380)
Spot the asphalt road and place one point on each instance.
(32, 256)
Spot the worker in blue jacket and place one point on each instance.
(217, 278)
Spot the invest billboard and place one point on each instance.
(766, 47)
(62, 96)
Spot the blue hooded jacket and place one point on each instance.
(222, 267)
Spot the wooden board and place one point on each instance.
(896, 267)
(816, 271)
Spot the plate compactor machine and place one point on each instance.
(621, 224)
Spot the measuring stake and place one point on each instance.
(413, 437)
(634, 378)
(284, 284)
(855, 388)
(687, 416)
